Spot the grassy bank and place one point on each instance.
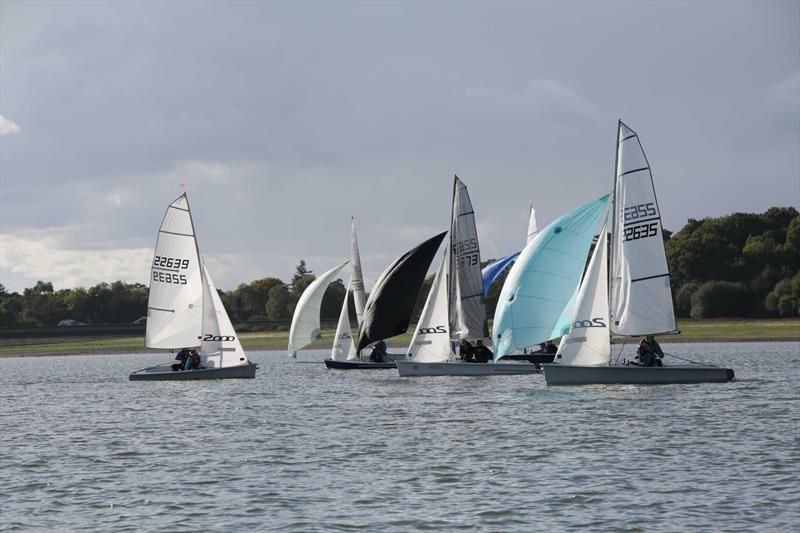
(717, 330)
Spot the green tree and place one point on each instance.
(10, 307)
(332, 300)
(278, 303)
(722, 299)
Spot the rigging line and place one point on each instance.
(619, 354)
(632, 171)
(689, 360)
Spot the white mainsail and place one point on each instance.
(220, 346)
(533, 228)
(641, 297)
(431, 340)
(343, 346)
(467, 301)
(175, 303)
(588, 342)
(305, 321)
(357, 277)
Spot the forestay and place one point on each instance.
(220, 346)
(467, 301)
(357, 277)
(537, 299)
(641, 297)
(431, 340)
(175, 303)
(343, 347)
(588, 342)
(305, 327)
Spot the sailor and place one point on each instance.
(182, 356)
(651, 341)
(482, 353)
(645, 355)
(193, 362)
(378, 352)
(549, 347)
(466, 351)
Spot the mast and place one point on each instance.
(613, 240)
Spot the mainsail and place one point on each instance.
(533, 229)
(175, 303)
(588, 342)
(641, 297)
(391, 301)
(431, 340)
(467, 300)
(220, 346)
(305, 321)
(343, 347)
(356, 276)
(535, 304)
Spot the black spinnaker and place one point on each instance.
(391, 301)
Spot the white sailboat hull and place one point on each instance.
(165, 373)
(634, 375)
(412, 369)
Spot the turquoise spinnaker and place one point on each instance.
(536, 302)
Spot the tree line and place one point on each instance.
(739, 265)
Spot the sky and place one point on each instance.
(286, 119)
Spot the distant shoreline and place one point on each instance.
(701, 331)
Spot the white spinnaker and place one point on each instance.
(533, 228)
(343, 346)
(357, 277)
(431, 340)
(588, 342)
(175, 303)
(220, 345)
(305, 321)
(467, 301)
(641, 297)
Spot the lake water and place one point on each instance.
(301, 448)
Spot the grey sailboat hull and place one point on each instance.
(413, 369)
(634, 375)
(165, 373)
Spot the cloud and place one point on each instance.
(40, 256)
(8, 126)
(541, 97)
(785, 96)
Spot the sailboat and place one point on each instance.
(638, 300)
(184, 308)
(305, 328)
(456, 307)
(539, 293)
(343, 351)
(390, 303)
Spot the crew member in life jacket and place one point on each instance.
(378, 354)
(181, 357)
(193, 362)
(482, 353)
(466, 351)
